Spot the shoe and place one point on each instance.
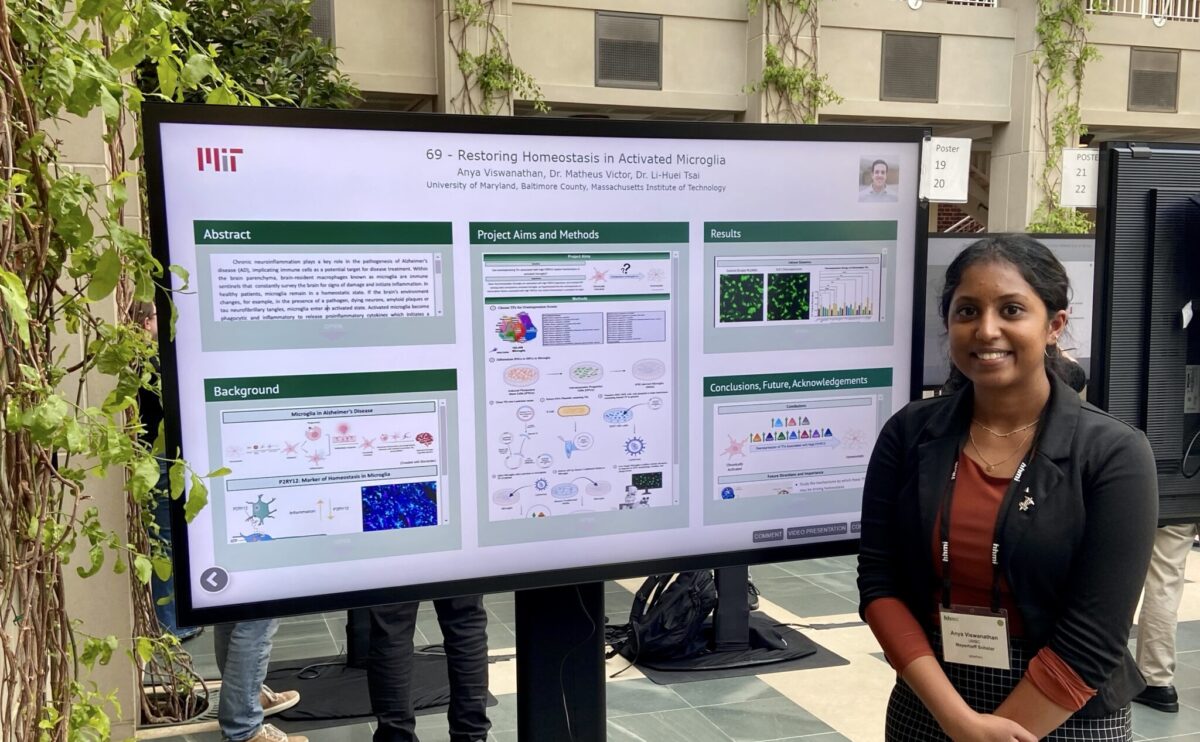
(273, 703)
(189, 634)
(752, 592)
(1161, 697)
(269, 733)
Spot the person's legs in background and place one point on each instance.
(1159, 617)
(243, 650)
(464, 635)
(389, 671)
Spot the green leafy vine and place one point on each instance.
(71, 368)
(491, 81)
(1062, 57)
(794, 88)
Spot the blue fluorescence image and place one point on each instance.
(386, 507)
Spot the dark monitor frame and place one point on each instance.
(155, 115)
(1139, 348)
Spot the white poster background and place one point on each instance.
(360, 175)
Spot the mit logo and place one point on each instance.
(217, 158)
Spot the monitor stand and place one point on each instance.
(560, 663)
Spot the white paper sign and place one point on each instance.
(945, 169)
(1080, 169)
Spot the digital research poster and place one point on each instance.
(428, 356)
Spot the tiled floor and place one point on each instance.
(822, 705)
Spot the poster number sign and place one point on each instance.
(1080, 168)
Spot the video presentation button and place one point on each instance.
(771, 534)
(214, 579)
(825, 529)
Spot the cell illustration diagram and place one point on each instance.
(648, 369)
(787, 296)
(521, 375)
(568, 445)
(735, 447)
(586, 372)
(635, 446)
(286, 447)
(519, 329)
(741, 298)
(599, 276)
(260, 511)
(855, 439)
(618, 415)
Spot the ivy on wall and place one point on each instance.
(491, 81)
(791, 83)
(1062, 57)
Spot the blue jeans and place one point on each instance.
(243, 649)
(389, 670)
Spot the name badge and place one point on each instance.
(975, 636)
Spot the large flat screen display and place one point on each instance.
(442, 355)
(1078, 256)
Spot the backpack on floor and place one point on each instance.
(666, 620)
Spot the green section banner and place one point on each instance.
(329, 385)
(321, 233)
(799, 231)
(557, 233)
(574, 257)
(574, 299)
(819, 381)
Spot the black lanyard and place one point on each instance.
(1001, 518)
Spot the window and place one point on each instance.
(1153, 80)
(628, 50)
(322, 19)
(909, 71)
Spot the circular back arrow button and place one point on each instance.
(214, 579)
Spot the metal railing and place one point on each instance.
(916, 4)
(1156, 10)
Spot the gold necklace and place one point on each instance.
(988, 465)
(1009, 433)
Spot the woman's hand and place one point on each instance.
(989, 728)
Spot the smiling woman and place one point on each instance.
(1007, 526)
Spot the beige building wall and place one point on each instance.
(976, 50)
(387, 46)
(1106, 88)
(712, 52)
(101, 603)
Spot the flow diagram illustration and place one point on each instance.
(578, 383)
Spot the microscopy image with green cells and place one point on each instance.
(741, 297)
(787, 296)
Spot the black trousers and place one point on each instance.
(389, 671)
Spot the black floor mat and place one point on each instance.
(332, 694)
(804, 654)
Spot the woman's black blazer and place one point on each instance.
(1075, 560)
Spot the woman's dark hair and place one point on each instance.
(1040, 269)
